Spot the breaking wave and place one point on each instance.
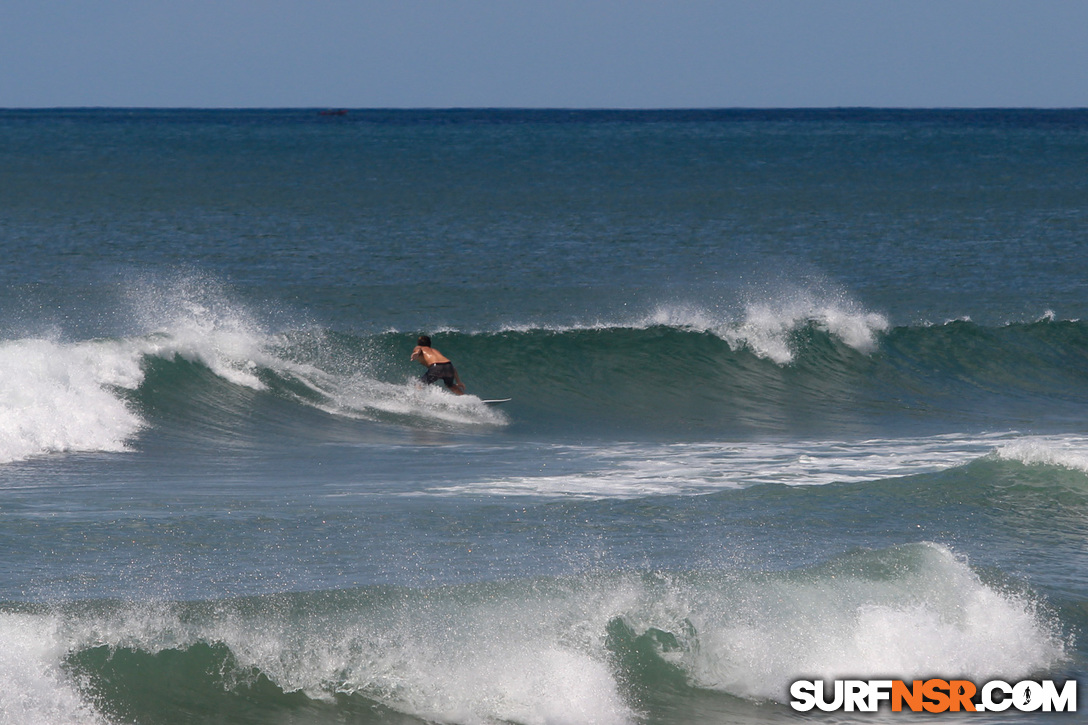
(807, 367)
(604, 648)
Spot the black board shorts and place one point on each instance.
(440, 371)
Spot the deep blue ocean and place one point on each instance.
(795, 394)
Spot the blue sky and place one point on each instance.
(553, 53)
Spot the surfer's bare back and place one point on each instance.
(438, 366)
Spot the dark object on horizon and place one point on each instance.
(335, 112)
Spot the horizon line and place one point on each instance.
(587, 109)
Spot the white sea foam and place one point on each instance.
(361, 396)
(622, 470)
(767, 327)
(193, 318)
(58, 397)
(482, 664)
(934, 617)
(36, 689)
(1064, 451)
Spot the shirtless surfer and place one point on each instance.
(438, 366)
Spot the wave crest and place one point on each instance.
(768, 328)
(581, 649)
(57, 397)
(1065, 452)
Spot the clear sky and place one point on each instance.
(544, 53)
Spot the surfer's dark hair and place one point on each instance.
(424, 341)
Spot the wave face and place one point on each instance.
(802, 369)
(609, 648)
(796, 377)
(202, 364)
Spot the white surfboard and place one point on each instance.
(497, 400)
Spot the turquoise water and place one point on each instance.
(795, 393)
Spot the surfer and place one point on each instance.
(438, 366)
